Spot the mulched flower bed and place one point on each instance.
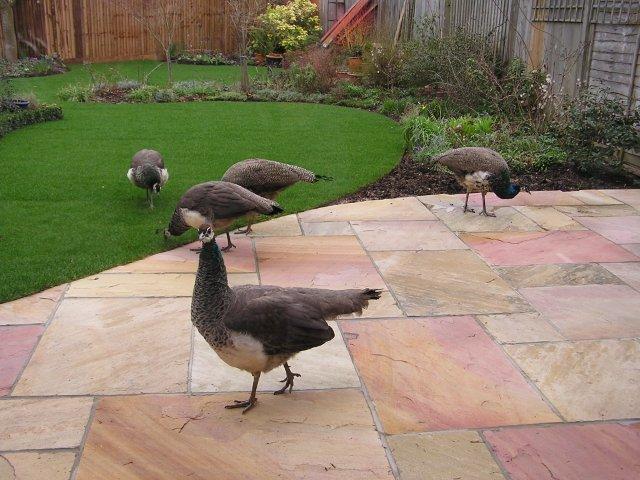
(415, 178)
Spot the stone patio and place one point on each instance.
(502, 348)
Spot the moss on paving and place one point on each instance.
(68, 210)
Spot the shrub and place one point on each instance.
(143, 94)
(395, 107)
(14, 120)
(204, 58)
(32, 66)
(230, 96)
(383, 65)
(526, 151)
(287, 27)
(195, 88)
(425, 136)
(128, 84)
(593, 126)
(75, 93)
(313, 71)
(165, 96)
(6, 96)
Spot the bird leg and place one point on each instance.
(246, 231)
(229, 244)
(466, 204)
(149, 199)
(484, 206)
(288, 382)
(251, 402)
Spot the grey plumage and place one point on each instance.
(147, 171)
(258, 328)
(268, 178)
(481, 170)
(218, 205)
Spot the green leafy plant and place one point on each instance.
(204, 58)
(593, 127)
(21, 118)
(382, 65)
(291, 26)
(76, 93)
(143, 94)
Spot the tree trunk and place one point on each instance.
(169, 67)
(10, 44)
(244, 74)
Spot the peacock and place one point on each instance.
(257, 328)
(267, 178)
(217, 205)
(148, 171)
(480, 170)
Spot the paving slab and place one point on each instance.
(453, 282)
(443, 456)
(557, 274)
(440, 373)
(36, 308)
(629, 273)
(337, 262)
(585, 380)
(327, 228)
(629, 196)
(327, 366)
(535, 248)
(535, 199)
(406, 235)
(507, 219)
(597, 210)
(16, 345)
(589, 311)
(595, 197)
(43, 423)
(36, 465)
(550, 219)
(520, 328)
(112, 346)
(321, 434)
(407, 208)
(286, 226)
(624, 229)
(569, 452)
(109, 285)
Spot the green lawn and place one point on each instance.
(68, 211)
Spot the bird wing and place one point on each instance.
(462, 161)
(147, 157)
(290, 320)
(259, 175)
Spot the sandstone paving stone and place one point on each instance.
(112, 346)
(43, 423)
(595, 197)
(597, 210)
(443, 456)
(550, 219)
(286, 226)
(316, 434)
(536, 199)
(520, 328)
(444, 373)
(569, 452)
(507, 219)
(629, 196)
(557, 274)
(36, 465)
(627, 272)
(406, 235)
(624, 229)
(407, 208)
(453, 282)
(327, 228)
(585, 380)
(35, 308)
(16, 345)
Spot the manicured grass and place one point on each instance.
(68, 211)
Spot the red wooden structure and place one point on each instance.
(359, 12)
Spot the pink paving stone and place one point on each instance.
(629, 196)
(633, 248)
(542, 198)
(316, 262)
(588, 311)
(617, 229)
(569, 452)
(16, 344)
(537, 248)
(440, 373)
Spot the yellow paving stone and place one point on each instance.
(550, 219)
(286, 226)
(443, 456)
(520, 328)
(327, 228)
(595, 197)
(36, 465)
(35, 308)
(112, 346)
(407, 235)
(42, 423)
(507, 219)
(556, 274)
(407, 208)
(597, 210)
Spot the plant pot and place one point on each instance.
(22, 104)
(354, 64)
(348, 77)
(274, 60)
(259, 58)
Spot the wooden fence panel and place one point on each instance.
(102, 30)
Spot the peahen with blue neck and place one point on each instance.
(257, 328)
(480, 170)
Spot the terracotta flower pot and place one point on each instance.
(259, 58)
(274, 60)
(354, 64)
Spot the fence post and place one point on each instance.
(446, 17)
(587, 43)
(634, 67)
(513, 28)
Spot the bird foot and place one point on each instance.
(487, 214)
(468, 210)
(197, 250)
(246, 231)
(288, 383)
(246, 404)
(228, 247)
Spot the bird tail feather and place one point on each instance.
(326, 178)
(372, 293)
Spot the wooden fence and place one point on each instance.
(102, 30)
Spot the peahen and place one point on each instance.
(148, 171)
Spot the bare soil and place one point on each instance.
(415, 178)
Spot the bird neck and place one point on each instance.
(211, 293)
(501, 185)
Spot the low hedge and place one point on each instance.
(21, 118)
